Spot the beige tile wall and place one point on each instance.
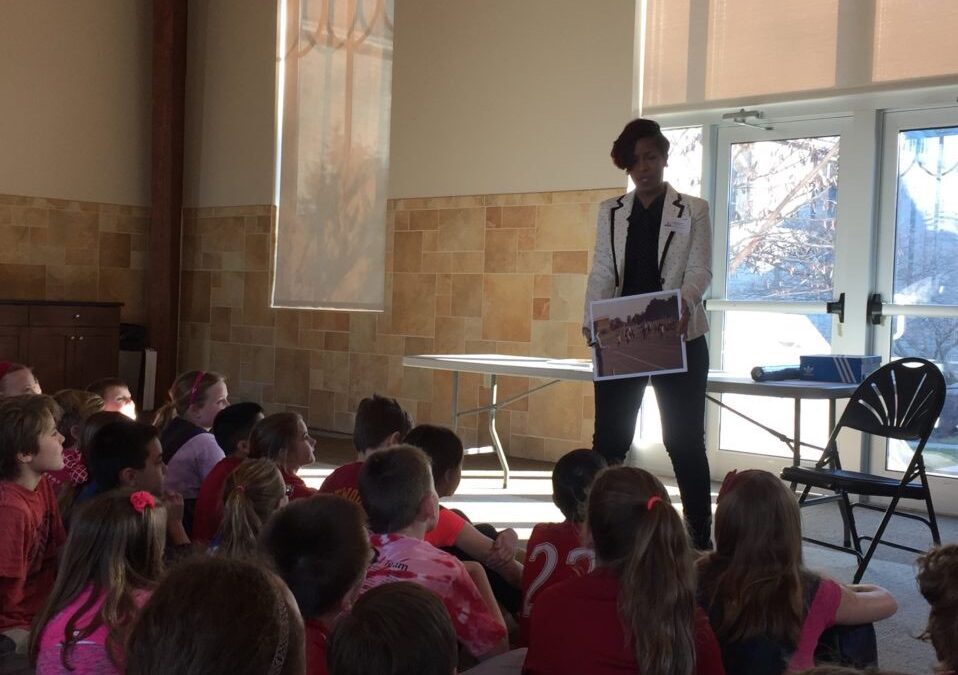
(56, 249)
(477, 274)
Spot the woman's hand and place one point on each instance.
(175, 532)
(683, 326)
(587, 334)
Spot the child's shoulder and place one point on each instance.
(566, 530)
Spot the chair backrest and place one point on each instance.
(902, 399)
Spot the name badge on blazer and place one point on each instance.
(679, 225)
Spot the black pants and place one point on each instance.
(681, 399)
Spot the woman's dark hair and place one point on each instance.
(440, 444)
(117, 446)
(218, 616)
(571, 480)
(272, 436)
(320, 548)
(623, 149)
(394, 629)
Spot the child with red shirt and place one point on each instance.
(556, 551)
(320, 548)
(380, 423)
(636, 612)
(396, 489)
(31, 532)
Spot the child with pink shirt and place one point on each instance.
(397, 492)
(111, 562)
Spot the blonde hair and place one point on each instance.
(642, 539)
(251, 494)
(114, 548)
(188, 389)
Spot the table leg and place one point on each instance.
(455, 400)
(496, 443)
(797, 437)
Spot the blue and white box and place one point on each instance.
(838, 367)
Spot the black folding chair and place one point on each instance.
(900, 400)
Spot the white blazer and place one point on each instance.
(685, 254)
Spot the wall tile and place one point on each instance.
(506, 307)
(564, 227)
(501, 250)
(461, 229)
(412, 316)
(571, 262)
(467, 295)
(407, 255)
(568, 297)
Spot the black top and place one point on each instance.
(642, 248)
(175, 436)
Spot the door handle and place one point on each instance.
(837, 307)
(873, 308)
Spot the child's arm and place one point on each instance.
(479, 578)
(477, 545)
(175, 532)
(864, 603)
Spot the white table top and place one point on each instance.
(581, 370)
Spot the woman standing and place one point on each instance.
(654, 239)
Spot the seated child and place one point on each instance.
(112, 560)
(17, 379)
(284, 438)
(394, 629)
(380, 423)
(320, 548)
(116, 396)
(253, 492)
(396, 489)
(636, 611)
(556, 551)
(77, 405)
(767, 609)
(189, 450)
(455, 534)
(938, 583)
(218, 616)
(231, 428)
(124, 453)
(31, 533)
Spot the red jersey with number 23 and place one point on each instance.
(554, 553)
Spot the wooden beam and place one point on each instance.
(169, 112)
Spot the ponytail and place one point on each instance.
(188, 389)
(251, 494)
(641, 538)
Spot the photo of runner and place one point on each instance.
(637, 335)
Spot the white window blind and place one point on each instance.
(711, 53)
(335, 84)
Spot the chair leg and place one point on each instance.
(876, 540)
(932, 520)
(801, 500)
(848, 516)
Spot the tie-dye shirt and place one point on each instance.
(400, 558)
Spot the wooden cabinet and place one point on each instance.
(69, 345)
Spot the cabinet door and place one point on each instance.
(48, 352)
(13, 344)
(95, 354)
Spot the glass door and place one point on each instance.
(918, 277)
(779, 220)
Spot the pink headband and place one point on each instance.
(652, 501)
(4, 368)
(196, 383)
